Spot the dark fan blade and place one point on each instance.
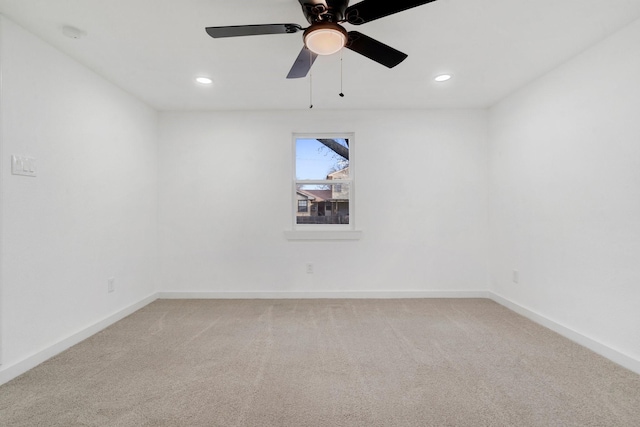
(252, 30)
(369, 10)
(303, 64)
(373, 49)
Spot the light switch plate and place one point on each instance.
(22, 165)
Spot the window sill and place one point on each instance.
(323, 235)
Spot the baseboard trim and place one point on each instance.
(10, 372)
(593, 345)
(324, 295)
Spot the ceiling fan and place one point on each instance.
(326, 36)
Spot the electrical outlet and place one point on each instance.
(309, 268)
(515, 276)
(111, 285)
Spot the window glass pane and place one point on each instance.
(322, 158)
(328, 204)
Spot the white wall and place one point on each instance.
(90, 214)
(564, 190)
(225, 200)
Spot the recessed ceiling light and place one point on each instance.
(442, 77)
(204, 80)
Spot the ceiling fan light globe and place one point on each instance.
(325, 40)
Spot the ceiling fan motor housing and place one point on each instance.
(324, 10)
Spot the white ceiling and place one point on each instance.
(155, 48)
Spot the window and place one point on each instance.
(323, 182)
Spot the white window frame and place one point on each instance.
(324, 231)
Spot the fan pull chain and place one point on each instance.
(310, 83)
(341, 73)
(310, 90)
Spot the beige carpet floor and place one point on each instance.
(422, 362)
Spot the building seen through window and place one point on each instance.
(323, 181)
